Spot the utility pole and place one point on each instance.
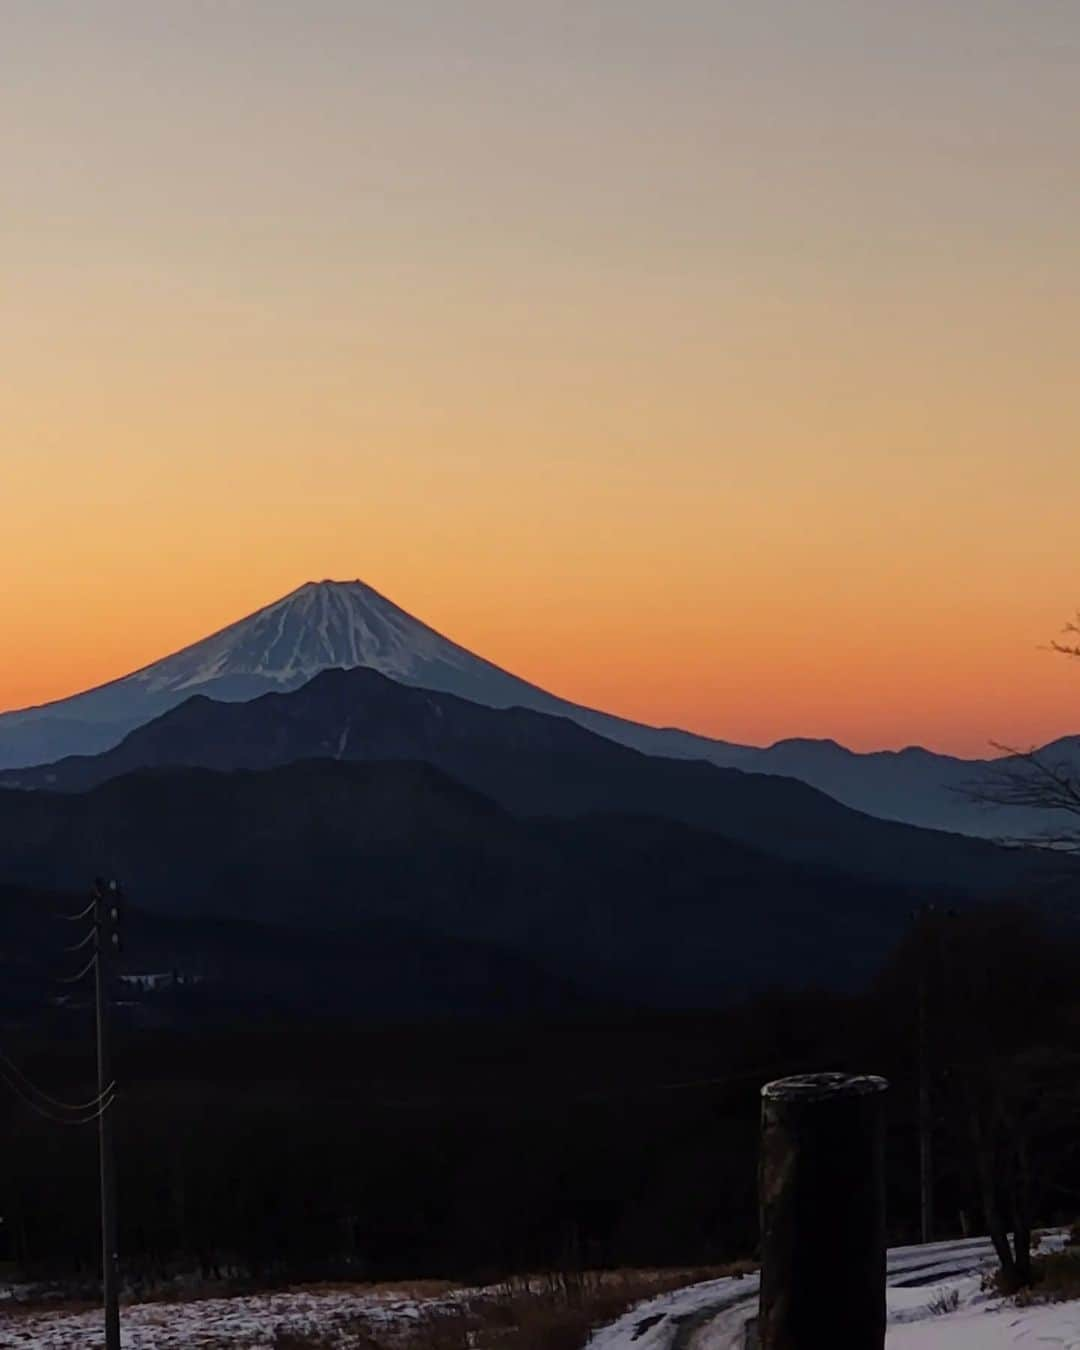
(926, 1109)
(106, 899)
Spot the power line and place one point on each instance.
(48, 1112)
(46, 1097)
(103, 911)
(74, 979)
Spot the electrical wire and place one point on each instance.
(29, 1084)
(26, 1090)
(48, 1113)
(74, 979)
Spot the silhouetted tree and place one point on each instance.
(1043, 781)
(1004, 996)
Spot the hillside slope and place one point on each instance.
(537, 765)
(625, 907)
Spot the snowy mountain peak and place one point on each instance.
(327, 625)
(321, 625)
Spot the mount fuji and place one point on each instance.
(347, 625)
(320, 626)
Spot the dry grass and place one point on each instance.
(540, 1312)
(947, 1301)
(1057, 1277)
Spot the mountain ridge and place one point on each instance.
(345, 625)
(532, 764)
(349, 625)
(616, 905)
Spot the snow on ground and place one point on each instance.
(713, 1316)
(708, 1316)
(243, 1323)
(664, 1323)
(992, 1328)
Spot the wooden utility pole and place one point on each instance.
(822, 1184)
(925, 919)
(106, 917)
(926, 1110)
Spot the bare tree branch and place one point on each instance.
(1069, 648)
(1027, 779)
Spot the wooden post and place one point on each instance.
(822, 1190)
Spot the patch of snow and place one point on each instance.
(991, 1327)
(654, 1324)
(713, 1316)
(320, 626)
(244, 1323)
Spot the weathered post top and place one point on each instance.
(815, 1087)
(822, 1212)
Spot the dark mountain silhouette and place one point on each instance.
(178, 969)
(618, 907)
(326, 625)
(534, 764)
(347, 625)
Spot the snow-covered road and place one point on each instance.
(713, 1316)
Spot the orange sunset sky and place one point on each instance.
(714, 363)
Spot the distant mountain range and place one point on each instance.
(491, 848)
(617, 908)
(531, 764)
(347, 625)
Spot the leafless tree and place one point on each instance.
(1019, 1098)
(1009, 1093)
(1032, 780)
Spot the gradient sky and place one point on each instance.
(715, 363)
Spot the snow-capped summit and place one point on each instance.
(326, 625)
(320, 626)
